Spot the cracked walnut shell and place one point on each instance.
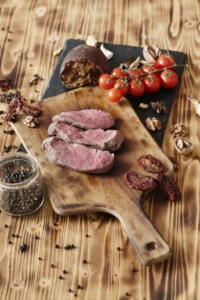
(179, 130)
(183, 145)
(153, 124)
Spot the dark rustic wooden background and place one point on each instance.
(30, 32)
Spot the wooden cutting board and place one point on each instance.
(71, 192)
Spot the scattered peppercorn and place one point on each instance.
(64, 272)
(18, 176)
(78, 287)
(23, 248)
(9, 40)
(118, 248)
(54, 224)
(9, 242)
(84, 261)
(30, 65)
(67, 247)
(70, 290)
(75, 295)
(52, 266)
(57, 246)
(86, 235)
(11, 132)
(13, 235)
(72, 246)
(17, 236)
(6, 226)
(39, 258)
(60, 277)
(134, 270)
(36, 237)
(127, 294)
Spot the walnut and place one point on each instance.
(178, 130)
(143, 105)
(31, 121)
(153, 124)
(183, 145)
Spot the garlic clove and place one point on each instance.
(106, 52)
(196, 104)
(91, 41)
(135, 64)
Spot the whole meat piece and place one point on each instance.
(110, 140)
(77, 157)
(140, 182)
(86, 119)
(82, 66)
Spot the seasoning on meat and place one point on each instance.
(150, 164)
(140, 182)
(110, 140)
(169, 186)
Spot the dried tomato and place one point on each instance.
(150, 164)
(169, 186)
(140, 182)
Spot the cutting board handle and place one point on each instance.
(148, 243)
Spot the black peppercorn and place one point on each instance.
(78, 287)
(118, 248)
(134, 270)
(17, 236)
(23, 248)
(70, 290)
(52, 266)
(84, 261)
(60, 277)
(6, 226)
(67, 247)
(36, 237)
(39, 258)
(10, 242)
(13, 235)
(127, 294)
(54, 224)
(64, 272)
(86, 235)
(72, 246)
(57, 246)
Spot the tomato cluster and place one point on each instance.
(149, 78)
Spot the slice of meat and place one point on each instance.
(78, 157)
(110, 140)
(86, 119)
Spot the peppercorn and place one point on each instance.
(70, 290)
(52, 266)
(13, 235)
(84, 261)
(72, 246)
(10, 242)
(23, 248)
(36, 237)
(134, 270)
(64, 272)
(78, 287)
(6, 226)
(86, 235)
(57, 246)
(60, 277)
(67, 247)
(39, 258)
(118, 248)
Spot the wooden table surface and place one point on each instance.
(30, 33)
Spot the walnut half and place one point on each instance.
(153, 124)
(183, 145)
(31, 121)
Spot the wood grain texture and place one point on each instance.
(38, 28)
(72, 192)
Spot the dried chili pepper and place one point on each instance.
(150, 164)
(140, 182)
(169, 186)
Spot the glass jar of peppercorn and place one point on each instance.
(21, 184)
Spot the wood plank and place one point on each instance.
(38, 29)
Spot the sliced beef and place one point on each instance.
(77, 157)
(110, 140)
(86, 119)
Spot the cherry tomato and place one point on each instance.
(152, 83)
(169, 79)
(136, 73)
(105, 82)
(114, 95)
(150, 67)
(118, 72)
(136, 87)
(122, 85)
(165, 60)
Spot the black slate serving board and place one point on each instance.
(121, 53)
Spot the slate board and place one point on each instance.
(121, 53)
